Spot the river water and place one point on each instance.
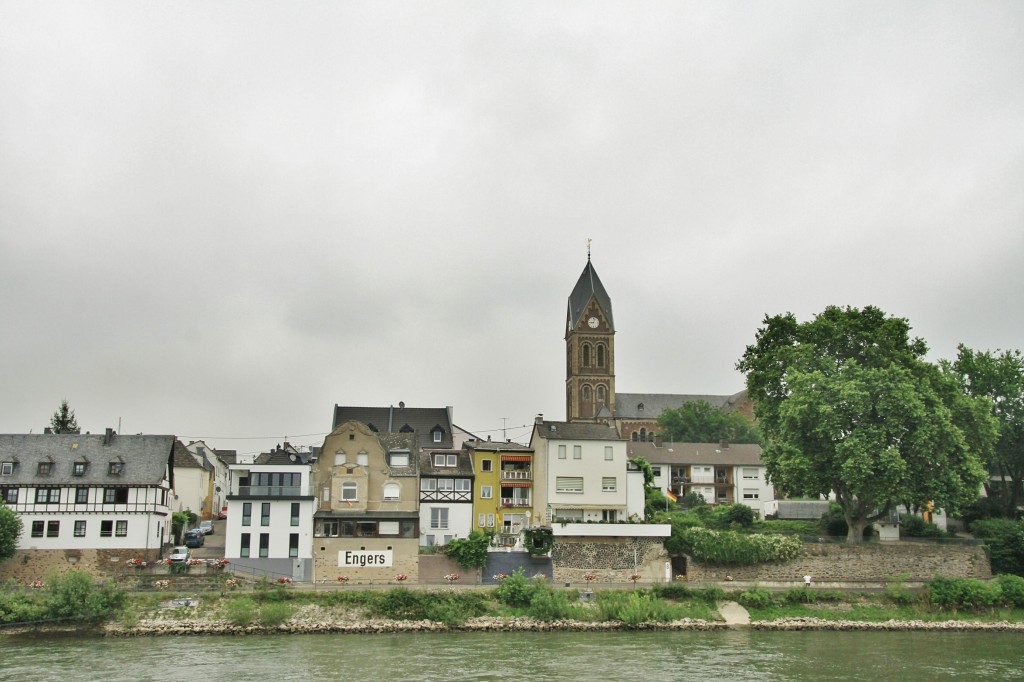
(515, 657)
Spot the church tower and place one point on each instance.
(589, 351)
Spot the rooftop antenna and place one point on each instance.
(503, 437)
(588, 248)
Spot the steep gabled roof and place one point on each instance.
(145, 459)
(401, 419)
(588, 286)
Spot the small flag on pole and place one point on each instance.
(671, 495)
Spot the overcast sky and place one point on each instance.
(218, 220)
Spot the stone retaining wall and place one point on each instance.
(613, 560)
(873, 562)
(36, 564)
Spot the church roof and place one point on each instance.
(589, 285)
(651, 405)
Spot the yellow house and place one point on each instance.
(503, 490)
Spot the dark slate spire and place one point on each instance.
(589, 285)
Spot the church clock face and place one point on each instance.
(592, 323)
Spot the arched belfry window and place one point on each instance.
(601, 394)
(585, 393)
(600, 355)
(636, 437)
(586, 355)
(643, 434)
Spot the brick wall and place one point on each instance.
(873, 562)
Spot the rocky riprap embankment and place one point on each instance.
(852, 625)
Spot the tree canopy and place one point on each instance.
(999, 377)
(699, 421)
(10, 531)
(847, 405)
(63, 420)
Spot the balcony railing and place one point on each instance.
(516, 475)
(273, 491)
(515, 502)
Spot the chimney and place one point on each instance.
(724, 444)
(539, 419)
(47, 429)
(108, 436)
(657, 441)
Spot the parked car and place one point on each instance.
(223, 514)
(194, 538)
(207, 527)
(179, 555)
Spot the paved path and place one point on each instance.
(733, 613)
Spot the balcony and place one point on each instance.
(272, 491)
(515, 502)
(516, 475)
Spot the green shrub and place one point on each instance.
(915, 527)
(1004, 542)
(1012, 588)
(957, 593)
(401, 604)
(755, 598)
(799, 595)
(672, 591)
(633, 608)
(710, 595)
(18, 607)
(241, 611)
(516, 590)
(75, 596)
(897, 593)
(548, 604)
(470, 552)
(730, 548)
(275, 613)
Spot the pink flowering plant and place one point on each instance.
(342, 579)
(590, 577)
(401, 577)
(452, 577)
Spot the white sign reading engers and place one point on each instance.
(381, 558)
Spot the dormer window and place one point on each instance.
(437, 436)
(6, 468)
(44, 468)
(116, 468)
(406, 429)
(398, 458)
(78, 468)
(437, 432)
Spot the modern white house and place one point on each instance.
(91, 500)
(721, 473)
(269, 528)
(581, 472)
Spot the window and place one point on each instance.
(600, 355)
(265, 514)
(116, 468)
(437, 436)
(749, 473)
(568, 515)
(428, 484)
(561, 452)
(293, 545)
(37, 529)
(7, 469)
(349, 491)
(462, 485)
(363, 459)
(600, 394)
(399, 458)
(53, 529)
(439, 518)
(81, 495)
(387, 528)
(750, 494)
(608, 453)
(247, 513)
(264, 545)
(339, 458)
(577, 452)
(490, 520)
(78, 468)
(486, 493)
(9, 495)
(47, 495)
(326, 494)
(121, 529)
(106, 529)
(482, 520)
(608, 484)
(569, 484)
(115, 495)
(243, 551)
(79, 529)
(295, 514)
(643, 434)
(364, 529)
(486, 465)
(656, 471)
(44, 468)
(438, 460)
(586, 394)
(586, 356)
(391, 492)
(445, 485)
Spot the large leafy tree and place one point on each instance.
(999, 377)
(10, 531)
(847, 405)
(63, 420)
(699, 421)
